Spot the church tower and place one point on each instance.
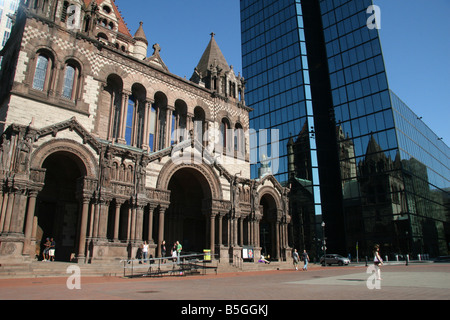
(214, 73)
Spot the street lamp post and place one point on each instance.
(324, 245)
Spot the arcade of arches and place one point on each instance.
(95, 214)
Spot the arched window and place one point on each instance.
(71, 81)
(179, 119)
(172, 126)
(42, 72)
(239, 141)
(232, 87)
(227, 141)
(102, 37)
(129, 122)
(162, 123)
(114, 89)
(134, 125)
(140, 122)
(199, 125)
(152, 129)
(161, 128)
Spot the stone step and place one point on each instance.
(60, 269)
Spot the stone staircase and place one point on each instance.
(254, 266)
(37, 269)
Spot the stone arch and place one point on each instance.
(170, 168)
(269, 228)
(85, 160)
(139, 90)
(85, 66)
(267, 190)
(180, 121)
(160, 98)
(136, 78)
(58, 206)
(108, 70)
(205, 109)
(224, 114)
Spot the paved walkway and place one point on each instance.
(414, 282)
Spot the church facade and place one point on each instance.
(103, 148)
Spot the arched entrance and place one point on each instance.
(57, 207)
(268, 226)
(186, 215)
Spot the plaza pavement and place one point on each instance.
(421, 281)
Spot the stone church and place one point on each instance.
(103, 148)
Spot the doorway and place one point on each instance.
(57, 208)
(186, 220)
(267, 226)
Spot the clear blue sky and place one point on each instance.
(415, 37)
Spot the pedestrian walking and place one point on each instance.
(145, 252)
(305, 260)
(179, 248)
(377, 261)
(296, 258)
(47, 244)
(163, 250)
(174, 252)
(51, 250)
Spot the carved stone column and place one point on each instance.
(3, 210)
(152, 208)
(162, 211)
(103, 222)
(32, 195)
(170, 111)
(133, 223)
(212, 229)
(18, 217)
(139, 222)
(241, 231)
(96, 219)
(277, 239)
(83, 229)
(220, 240)
(117, 220)
(8, 212)
(148, 105)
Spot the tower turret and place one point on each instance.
(141, 46)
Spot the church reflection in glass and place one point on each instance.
(354, 155)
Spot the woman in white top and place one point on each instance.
(377, 261)
(145, 251)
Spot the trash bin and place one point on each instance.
(207, 255)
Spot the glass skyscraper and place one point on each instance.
(355, 156)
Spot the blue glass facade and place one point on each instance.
(354, 155)
(276, 64)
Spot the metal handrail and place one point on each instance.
(130, 263)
